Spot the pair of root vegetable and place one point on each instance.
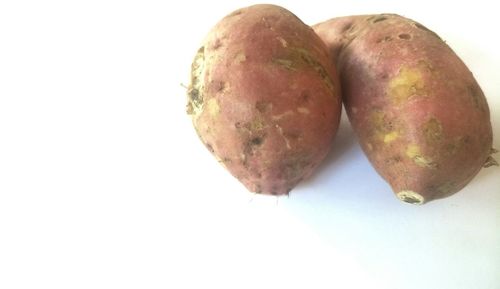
(265, 98)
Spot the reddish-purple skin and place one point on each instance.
(271, 103)
(443, 112)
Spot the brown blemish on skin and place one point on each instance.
(422, 27)
(379, 19)
(476, 96)
(446, 188)
(221, 86)
(456, 145)
(432, 130)
(263, 106)
(304, 97)
(393, 160)
(346, 27)
(383, 129)
(255, 125)
(407, 83)
(404, 36)
(294, 166)
(250, 146)
(195, 95)
(298, 58)
(425, 65)
(209, 147)
(414, 153)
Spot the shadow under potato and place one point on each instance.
(345, 141)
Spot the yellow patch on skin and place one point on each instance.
(213, 107)
(414, 153)
(408, 82)
(303, 110)
(369, 146)
(256, 124)
(393, 135)
(377, 118)
(240, 57)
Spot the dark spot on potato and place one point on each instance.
(251, 145)
(292, 135)
(422, 27)
(346, 27)
(404, 36)
(209, 147)
(238, 125)
(304, 96)
(220, 86)
(379, 19)
(256, 141)
(226, 160)
(294, 166)
(477, 97)
(263, 106)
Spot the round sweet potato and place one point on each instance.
(264, 97)
(421, 117)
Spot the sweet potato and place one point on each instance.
(420, 116)
(264, 97)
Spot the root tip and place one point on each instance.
(411, 197)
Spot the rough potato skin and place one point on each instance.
(420, 116)
(264, 97)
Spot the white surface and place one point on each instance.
(104, 184)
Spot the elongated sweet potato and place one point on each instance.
(264, 97)
(421, 117)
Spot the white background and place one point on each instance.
(104, 184)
